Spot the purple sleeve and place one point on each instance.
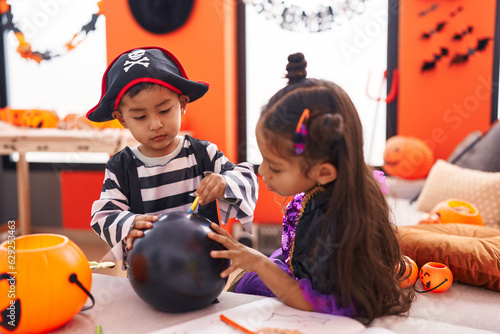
(322, 303)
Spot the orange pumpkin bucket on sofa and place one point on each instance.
(457, 211)
(45, 280)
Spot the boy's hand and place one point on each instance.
(212, 186)
(140, 223)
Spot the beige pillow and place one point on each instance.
(446, 181)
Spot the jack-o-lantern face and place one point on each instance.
(40, 119)
(407, 157)
(435, 277)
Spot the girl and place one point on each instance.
(339, 253)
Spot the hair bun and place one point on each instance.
(296, 68)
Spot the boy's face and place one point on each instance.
(154, 118)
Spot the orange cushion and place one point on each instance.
(471, 252)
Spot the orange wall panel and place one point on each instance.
(79, 190)
(444, 104)
(206, 47)
(269, 205)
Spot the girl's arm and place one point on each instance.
(280, 283)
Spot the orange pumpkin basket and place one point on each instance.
(45, 281)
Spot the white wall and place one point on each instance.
(347, 55)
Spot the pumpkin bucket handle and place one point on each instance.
(73, 278)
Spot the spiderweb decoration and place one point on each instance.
(311, 16)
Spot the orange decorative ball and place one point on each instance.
(435, 277)
(42, 281)
(407, 157)
(411, 273)
(457, 211)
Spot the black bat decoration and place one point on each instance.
(428, 10)
(456, 11)
(459, 36)
(431, 64)
(461, 58)
(439, 27)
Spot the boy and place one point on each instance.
(147, 91)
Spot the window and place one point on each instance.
(352, 54)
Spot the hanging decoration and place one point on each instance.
(439, 27)
(431, 64)
(428, 10)
(460, 58)
(459, 35)
(305, 16)
(24, 48)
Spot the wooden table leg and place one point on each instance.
(23, 194)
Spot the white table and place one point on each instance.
(24, 140)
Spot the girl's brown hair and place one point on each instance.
(369, 263)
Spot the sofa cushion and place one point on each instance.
(471, 252)
(483, 153)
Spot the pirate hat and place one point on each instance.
(147, 64)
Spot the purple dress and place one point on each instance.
(251, 283)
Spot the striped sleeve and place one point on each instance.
(241, 190)
(111, 218)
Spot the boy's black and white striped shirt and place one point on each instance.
(167, 184)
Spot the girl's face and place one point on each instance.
(282, 176)
(154, 118)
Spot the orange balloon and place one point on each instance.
(435, 277)
(407, 157)
(37, 293)
(411, 273)
(457, 211)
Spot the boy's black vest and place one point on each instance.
(132, 190)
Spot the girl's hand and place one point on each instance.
(212, 186)
(140, 223)
(240, 256)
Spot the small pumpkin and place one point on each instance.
(407, 157)
(411, 273)
(13, 116)
(457, 211)
(435, 277)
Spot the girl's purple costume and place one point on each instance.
(296, 257)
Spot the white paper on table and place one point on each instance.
(271, 313)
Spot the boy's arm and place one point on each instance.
(111, 216)
(242, 187)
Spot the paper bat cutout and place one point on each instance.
(461, 58)
(429, 65)
(438, 28)
(459, 36)
(428, 10)
(456, 11)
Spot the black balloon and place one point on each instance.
(170, 267)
